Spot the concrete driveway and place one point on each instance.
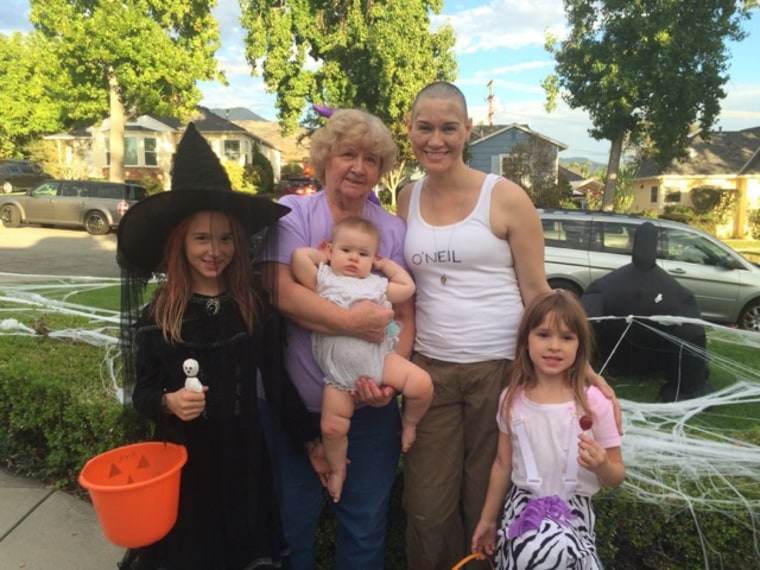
(34, 250)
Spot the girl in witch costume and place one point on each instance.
(558, 444)
(207, 309)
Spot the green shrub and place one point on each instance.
(291, 169)
(632, 534)
(754, 223)
(678, 213)
(57, 415)
(705, 199)
(261, 173)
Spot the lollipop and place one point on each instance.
(586, 423)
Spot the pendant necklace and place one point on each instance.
(212, 306)
(444, 277)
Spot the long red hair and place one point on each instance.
(175, 293)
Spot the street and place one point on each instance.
(46, 251)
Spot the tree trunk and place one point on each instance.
(740, 216)
(613, 166)
(118, 121)
(393, 178)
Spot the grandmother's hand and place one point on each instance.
(369, 320)
(368, 392)
(316, 452)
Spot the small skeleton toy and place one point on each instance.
(191, 368)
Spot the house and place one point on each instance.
(584, 187)
(729, 160)
(293, 149)
(149, 145)
(498, 148)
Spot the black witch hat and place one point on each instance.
(199, 182)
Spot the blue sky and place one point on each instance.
(499, 40)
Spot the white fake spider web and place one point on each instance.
(669, 457)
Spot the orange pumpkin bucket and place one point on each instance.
(135, 491)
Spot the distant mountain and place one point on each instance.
(570, 160)
(238, 114)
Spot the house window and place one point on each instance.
(132, 154)
(232, 150)
(673, 198)
(151, 157)
(130, 151)
(653, 191)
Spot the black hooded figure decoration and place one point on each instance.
(642, 288)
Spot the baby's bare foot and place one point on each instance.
(408, 436)
(335, 482)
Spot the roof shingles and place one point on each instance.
(727, 152)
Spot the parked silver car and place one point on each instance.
(94, 205)
(582, 246)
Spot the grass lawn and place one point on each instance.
(729, 363)
(749, 248)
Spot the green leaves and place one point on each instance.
(646, 70)
(374, 55)
(158, 49)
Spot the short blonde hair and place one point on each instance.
(357, 128)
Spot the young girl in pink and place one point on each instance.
(558, 444)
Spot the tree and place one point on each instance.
(368, 54)
(139, 56)
(35, 95)
(533, 165)
(644, 69)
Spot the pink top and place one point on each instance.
(548, 426)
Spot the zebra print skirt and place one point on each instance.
(567, 544)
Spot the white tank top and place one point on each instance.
(468, 302)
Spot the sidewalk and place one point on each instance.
(45, 529)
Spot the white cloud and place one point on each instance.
(545, 65)
(511, 24)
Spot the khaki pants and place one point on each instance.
(447, 469)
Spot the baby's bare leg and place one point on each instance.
(337, 409)
(416, 386)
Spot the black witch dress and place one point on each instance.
(228, 517)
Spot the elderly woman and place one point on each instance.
(349, 155)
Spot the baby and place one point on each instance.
(342, 273)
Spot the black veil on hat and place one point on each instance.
(199, 182)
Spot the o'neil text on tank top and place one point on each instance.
(441, 256)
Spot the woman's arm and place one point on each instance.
(366, 320)
(594, 379)
(514, 218)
